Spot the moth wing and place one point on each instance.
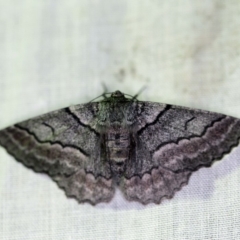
(175, 143)
(65, 145)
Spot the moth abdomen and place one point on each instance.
(118, 146)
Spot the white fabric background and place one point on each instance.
(57, 53)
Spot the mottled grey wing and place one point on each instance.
(171, 146)
(62, 145)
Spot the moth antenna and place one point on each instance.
(104, 94)
(139, 92)
(105, 90)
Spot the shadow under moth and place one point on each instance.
(148, 150)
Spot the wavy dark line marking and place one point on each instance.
(52, 142)
(212, 159)
(189, 138)
(76, 118)
(187, 122)
(47, 125)
(168, 107)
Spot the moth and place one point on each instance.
(148, 150)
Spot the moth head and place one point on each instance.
(117, 94)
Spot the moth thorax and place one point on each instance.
(117, 144)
